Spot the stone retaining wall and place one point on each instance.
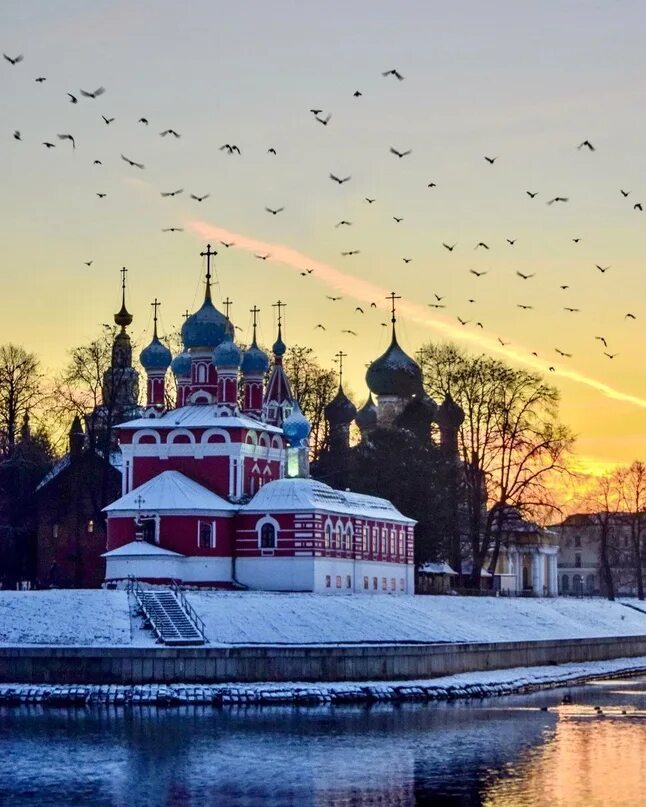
(250, 664)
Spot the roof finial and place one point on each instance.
(123, 317)
(339, 359)
(254, 312)
(279, 346)
(393, 318)
(155, 304)
(227, 304)
(208, 254)
(186, 314)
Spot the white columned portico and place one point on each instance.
(552, 576)
(538, 573)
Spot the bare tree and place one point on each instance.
(313, 387)
(511, 442)
(631, 487)
(603, 503)
(21, 390)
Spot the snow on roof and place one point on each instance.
(139, 549)
(203, 416)
(467, 568)
(294, 495)
(437, 568)
(171, 491)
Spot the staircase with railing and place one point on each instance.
(169, 613)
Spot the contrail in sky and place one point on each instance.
(365, 291)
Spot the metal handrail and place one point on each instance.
(192, 614)
(134, 587)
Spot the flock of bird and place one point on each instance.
(325, 118)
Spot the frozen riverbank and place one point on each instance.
(105, 618)
(463, 686)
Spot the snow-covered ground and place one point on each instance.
(91, 617)
(263, 618)
(66, 617)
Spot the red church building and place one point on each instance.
(216, 492)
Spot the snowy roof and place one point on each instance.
(139, 549)
(116, 461)
(437, 568)
(467, 568)
(199, 417)
(294, 495)
(171, 491)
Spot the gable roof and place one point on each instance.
(170, 492)
(309, 495)
(205, 416)
(140, 549)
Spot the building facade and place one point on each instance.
(216, 492)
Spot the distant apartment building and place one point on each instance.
(579, 564)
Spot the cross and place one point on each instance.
(339, 358)
(208, 254)
(392, 297)
(124, 272)
(227, 304)
(186, 314)
(279, 305)
(155, 304)
(254, 313)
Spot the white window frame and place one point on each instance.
(259, 525)
(213, 538)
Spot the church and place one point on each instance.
(216, 491)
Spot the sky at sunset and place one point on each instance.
(524, 83)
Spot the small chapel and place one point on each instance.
(216, 490)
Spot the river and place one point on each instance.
(507, 752)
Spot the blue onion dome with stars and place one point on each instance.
(227, 355)
(156, 356)
(394, 373)
(366, 417)
(207, 327)
(296, 427)
(181, 365)
(340, 411)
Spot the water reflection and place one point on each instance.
(503, 752)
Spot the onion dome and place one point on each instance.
(123, 317)
(279, 347)
(394, 373)
(255, 361)
(340, 411)
(207, 327)
(366, 417)
(449, 415)
(296, 427)
(156, 356)
(227, 355)
(181, 365)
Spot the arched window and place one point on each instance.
(201, 373)
(565, 584)
(349, 536)
(402, 544)
(365, 538)
(384, 542)
(328, 534)
(392, 542)
(268, 536)
(339, 536)
(375, 540)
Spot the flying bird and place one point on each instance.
(275, 211)
(463, 321)
(101, 195)
(511, 241)
(450, 247)
(437, 297)
(322, 327)
(88, 263)
(343, 221)
(228, 244)
(132, 162)
(587, 145)
(370, 201)
(563, 353)
(602, 340)
(229, 148)
(271, 151)
(316, 111)
(324, 121)
(638, 206)
(481, 244)
(262, 257)
(504, 344)
(610, 355)
(524, 307)
(143, 120)
(572, 310)
(173, 230)
(200, 198)
(339, 180)
(602, 269)
(95, 94)
(558, 199)
(436, 305)
(97, 162)
(175, 134)
(359, 309)
(398, 219)
(525, 277)
(357, 94)
(14, 59)
(564, 287)
(576, 240)
(491, 160)
(108, 121)
(624, 193)
(407, 260)
(351, 252)
(431, 185)
(480, 325)
(40, 79)
(477, 274)
(552, 369)
(532, 194)
(17, 135)
(630, 316)
(67, 137)
(394, 73)
(172, 193)
(73, 98)
(334, 299)
(347, 330)
(400, 154)
(49, 145)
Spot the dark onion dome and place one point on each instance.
(156, 356)
(366, 417)
(418, 414)
(394, 373)
(181, 365)
(255, 361)
(227, 355)
(279, 347)
(207, 327)
(296, 427)
(123, 317)
(340, 411)
(449, 415)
